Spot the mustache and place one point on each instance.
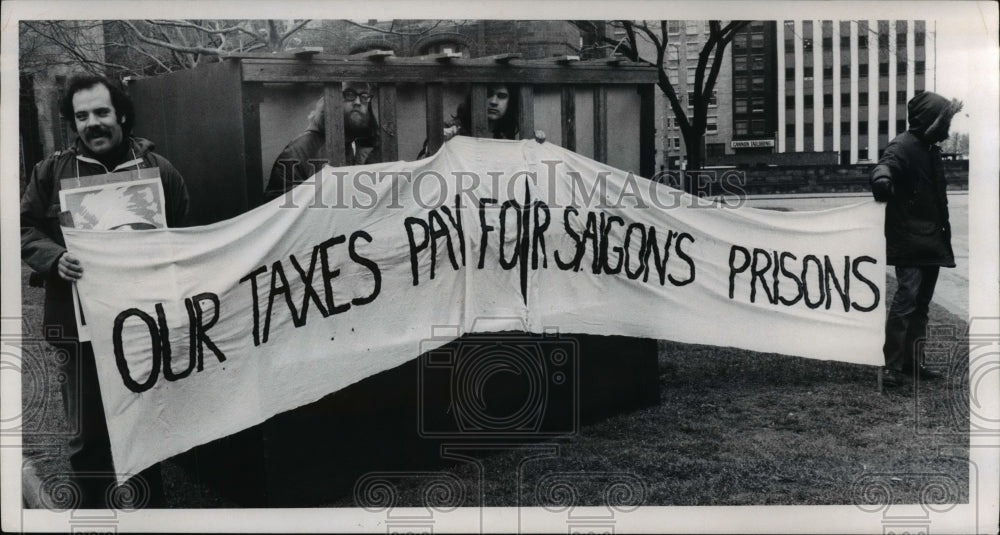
(97, 131)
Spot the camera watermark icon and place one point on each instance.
(60, 492)
(498, 385)
(591, 501)
(906, 501)
(439, 492)
(40, 366)
(968, 361)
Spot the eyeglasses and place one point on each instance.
(350, 95)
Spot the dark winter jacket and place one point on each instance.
(917, 230)
(41, 236)
(303, 157)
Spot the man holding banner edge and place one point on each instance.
(102, 115)
(910, 179)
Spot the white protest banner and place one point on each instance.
(201, 332)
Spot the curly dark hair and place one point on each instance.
(119, 99)
(505, 128)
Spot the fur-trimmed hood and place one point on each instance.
(931, 113)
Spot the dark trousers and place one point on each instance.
(93, 472)
(907, 320)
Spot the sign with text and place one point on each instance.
(751, 143)
(201, 332)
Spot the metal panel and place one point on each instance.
(480, 123)
(601, 124)
(387, 122)
(569, 117)
(195, 119)
(526, 113)
(435, 121)
(334, 119)
(647, 131)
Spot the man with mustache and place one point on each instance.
(303, 157)
(910, 179)
(102, 115)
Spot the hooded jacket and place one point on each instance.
(917, 230)
(42, 240)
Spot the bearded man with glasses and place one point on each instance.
(303, 156)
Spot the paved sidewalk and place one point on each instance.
(952, 290)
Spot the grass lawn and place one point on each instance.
(732, 427)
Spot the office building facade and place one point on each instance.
(843, 85)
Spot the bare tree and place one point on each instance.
(710, 60)
(147, 47)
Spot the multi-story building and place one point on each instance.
(754, 90)
(685, 40)
(843, 85)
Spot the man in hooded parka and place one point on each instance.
(910, 179)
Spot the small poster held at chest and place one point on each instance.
(125, 200)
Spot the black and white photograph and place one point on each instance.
(133, 205)
(566, 267)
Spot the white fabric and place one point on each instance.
(364, 223)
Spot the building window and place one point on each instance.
(918, 67)
(673, 26)
(883, 69)
(739, 63)
(741, 106)
(757, 83)
(757, 104)
(844, 43)
(715, 149)
(900, 97)
(756, 26)
(901, 39)
(711, 124)
(757, 62)
(740, 84)
(901, 125)
(789, 73)
(862, 99)
(790, 130)
(693, 27)
(690, 75)
(901, 67)
(757, 41)
(827, 100)
(863, 70)
(789, 101)
(845, 128)
(918, 38)
(862, 41)
(807, 45)
(883, 41)
(807, 129)
(883, 98)
(845, 70)
(863, 153)
(863, 127)
(677, 143)
(741, 128)
(757, 126)
(828, 72)
(827, 43)
(883, 127)
(808, 101)
(807, 73)
(845, 99)
(827, 129)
